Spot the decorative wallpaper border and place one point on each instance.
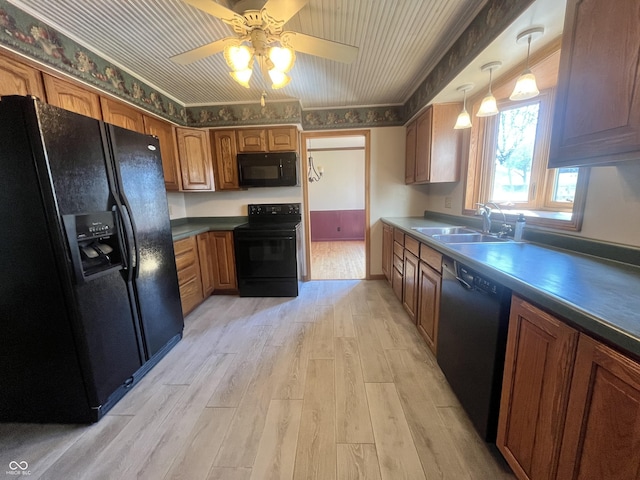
(23, 33)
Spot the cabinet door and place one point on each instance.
(224, 263)
(166, 136)
(387, 251)
(72, 97)
(429, 283)
(252, 140)
(206, 262)
(602, 431)
(597, 114)
(396, 282)
(226, 163)
(410, 154)
(121, 115)
(188, 266)
(283, 139)
(410, 284)
(194, 152)
(445, 144)
(537, 374)
(423, 146)
(16, 78)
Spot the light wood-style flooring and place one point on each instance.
(334, 384)
(344, 260)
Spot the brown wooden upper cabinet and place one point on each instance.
(16, 78)
(122, 115)
(597, 113)
(225, 162)
(72, 97)
(282, 139)
(194, 151)
(166, 137)
(433, 146)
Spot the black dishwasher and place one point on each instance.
(472, 335)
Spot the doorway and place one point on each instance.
(336, 204)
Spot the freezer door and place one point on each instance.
(79, 183)
(138, 167)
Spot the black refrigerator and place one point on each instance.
(89, 297)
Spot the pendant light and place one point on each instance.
(489, 106)
(464, 120)
(526, 84)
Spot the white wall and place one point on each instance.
(389, 196)
(342, 184)
(612, 210)
(233, 204)
(177, 207)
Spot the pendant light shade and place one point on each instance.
(464, 120)
(526, 84)
(489, 105)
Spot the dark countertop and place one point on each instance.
(184, 228)
(594, 294)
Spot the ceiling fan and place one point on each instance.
(262, 30)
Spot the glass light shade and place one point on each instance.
(525, 87)
(488, 107)
(463, 121)
(278, 78)
(238, 57)
(242, 76)
(282, 58)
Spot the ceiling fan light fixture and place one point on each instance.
(238, 57)
(282, 58)
(279, 79)
(242, 76)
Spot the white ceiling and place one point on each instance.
(399, 42)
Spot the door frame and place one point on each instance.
(305, 189)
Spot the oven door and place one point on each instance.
(265, 256)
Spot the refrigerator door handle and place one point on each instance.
(131, 231)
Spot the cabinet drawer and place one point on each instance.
(187, 273)
(398, 250)
(185, 260)
(190, 295)
(184, 245)
(398, 264)
(412, 245)
(398, 236)
(431, 257)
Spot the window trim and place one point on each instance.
(476, 142)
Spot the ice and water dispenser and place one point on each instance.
(94, 243)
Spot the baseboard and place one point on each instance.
(377, 276)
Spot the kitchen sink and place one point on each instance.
(431, 231)
(474, 237)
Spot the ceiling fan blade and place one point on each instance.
(319, 47)
(217, 10)
(283, 10)
(205, 51)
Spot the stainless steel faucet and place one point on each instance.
(485, 211)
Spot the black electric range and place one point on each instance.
(268, 251)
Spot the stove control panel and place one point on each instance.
(274, 209)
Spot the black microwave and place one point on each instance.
(268, 169)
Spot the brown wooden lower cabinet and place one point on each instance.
(602, 432)
(410, 284)
(387, 251)
(188, 266)
(570, 405)
(429, 284)
(206, 271)
(223, 265)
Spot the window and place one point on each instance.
(508, 159)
